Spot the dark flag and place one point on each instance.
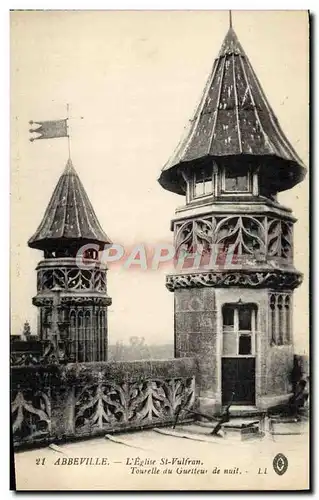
(49, 129)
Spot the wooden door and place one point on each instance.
(238, 376)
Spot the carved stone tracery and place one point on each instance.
(107, 404)
(31, 414)
(279, 238)
(71, 279)
(89, 300)
(260, 279)
(195, 233)
(61, 286)
(76, 400)
(247, 234)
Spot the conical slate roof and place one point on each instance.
(234, 118)
(69, 215)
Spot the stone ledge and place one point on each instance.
(253, 279)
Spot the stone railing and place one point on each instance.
(57, 403)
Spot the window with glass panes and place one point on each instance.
(203, 183)
(235, 181)
(239, 328)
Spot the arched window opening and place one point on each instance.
(280, 320)
(273, 319)
(288, 320)
(87, 336)
(80, 337)
(102, 334)
(73, 333)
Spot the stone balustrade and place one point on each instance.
(56, 403)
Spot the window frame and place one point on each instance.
(211, 179)
(234, 330)
(227, 192)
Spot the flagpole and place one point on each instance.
(68, 119)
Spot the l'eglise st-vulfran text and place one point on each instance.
(145, 462)
(151, 466)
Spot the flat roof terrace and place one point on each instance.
(151, 460)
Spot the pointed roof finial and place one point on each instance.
(68, 120)
(230, 20)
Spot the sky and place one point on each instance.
(135, 77)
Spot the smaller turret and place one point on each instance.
(72, 299)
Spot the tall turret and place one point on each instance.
(235, 312)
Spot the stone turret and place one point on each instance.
(233, 309)
(72, 299)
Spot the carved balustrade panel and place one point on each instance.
(247, 235)
(107, 405)
(279, 238)
(31, 414)
(194, 234)
(99, 281)
(72, 279)
(54, 402)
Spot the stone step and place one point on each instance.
(244, 411)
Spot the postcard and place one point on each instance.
(160, 250)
